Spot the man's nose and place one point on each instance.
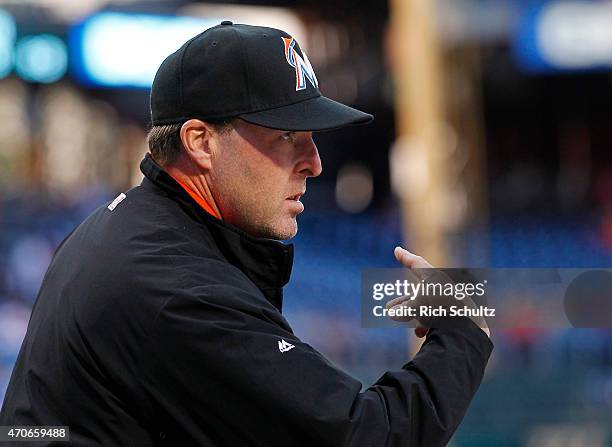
(310, 162)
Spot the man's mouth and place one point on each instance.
(296, 197)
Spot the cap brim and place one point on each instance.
(313, 114)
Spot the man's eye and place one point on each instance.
(288, 136)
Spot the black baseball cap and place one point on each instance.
(254, 73)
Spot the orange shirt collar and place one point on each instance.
(200, 200)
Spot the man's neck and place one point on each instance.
(197, 187)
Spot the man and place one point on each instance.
(159, 320)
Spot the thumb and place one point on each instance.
(410, 260)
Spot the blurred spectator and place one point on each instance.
(14, 318)
(27, 263)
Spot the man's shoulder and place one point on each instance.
(144, 208)
(134, 221)
(148, 236)
(136, 253)
(138, 240)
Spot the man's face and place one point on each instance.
(259, 174)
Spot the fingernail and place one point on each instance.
(402, 250)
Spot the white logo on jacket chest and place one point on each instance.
(284, 346)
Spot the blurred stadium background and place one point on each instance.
(491, 148)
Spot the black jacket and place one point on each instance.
(158, 324)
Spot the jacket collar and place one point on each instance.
(266, 262)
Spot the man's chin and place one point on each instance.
(288, 231)
(283, 230)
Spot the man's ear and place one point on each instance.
(196, 138)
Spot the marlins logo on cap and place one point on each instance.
(303, 69)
